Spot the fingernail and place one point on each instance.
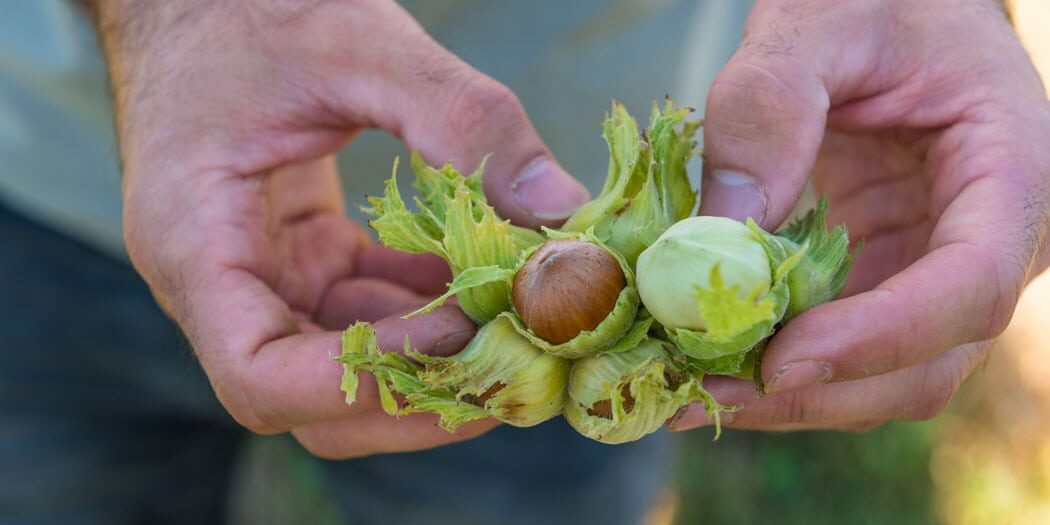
(453, 342)
(733, 194)
(547, 192)
(695, 416)
(797, 374)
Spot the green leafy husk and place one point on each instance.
(467, 279)
(395, 374)
(498, 374)
(455, 222)
(821, 274)
(647, 188)
(810, 268)
(737, 323)
(616, 397)
(727, 318)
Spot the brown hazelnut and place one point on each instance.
(567, 287)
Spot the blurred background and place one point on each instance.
(985, 460)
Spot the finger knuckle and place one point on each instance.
(479, 102)
(793, 407)
(234, 398)
(250, 419)
(755, 89)
(325, 445)
(1005, 299)
(322, 450)
(930, 407)
(935, 392)
(255, 424)
(893, 353)
(1000, 317)
(1003, 263)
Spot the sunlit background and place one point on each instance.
(985, 461)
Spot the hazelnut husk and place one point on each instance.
(567, 287)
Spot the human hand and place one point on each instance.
(925, 125)
(228, 114)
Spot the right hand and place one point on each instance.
(228, 115)
(926, 125)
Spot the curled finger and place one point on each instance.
(915, 393)
(377, 433)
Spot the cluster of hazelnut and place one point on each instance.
(612, 320)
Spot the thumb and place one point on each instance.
(460, 115)
(763, 125)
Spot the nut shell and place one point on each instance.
(567, 287)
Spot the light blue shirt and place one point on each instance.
(565, 60)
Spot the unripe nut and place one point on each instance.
(567, 287)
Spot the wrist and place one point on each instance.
(145, 44)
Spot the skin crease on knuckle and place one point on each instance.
(797, 407)
(474, 100)
(753, 85)
(252, 399)
(327, 445)
(934, 390)
(238, 403)
(480, 101)
(939, 381)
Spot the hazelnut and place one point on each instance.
(567, 287)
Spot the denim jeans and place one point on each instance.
(105, 417)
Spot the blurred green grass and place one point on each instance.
(808, 478)
(279, 483)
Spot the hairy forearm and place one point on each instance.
(146, 45)
(111, 21)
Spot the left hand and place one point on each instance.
(229, 115)
(926, 126)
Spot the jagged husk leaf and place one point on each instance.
(741, 365)
(623, 396)
(727, 365)
(611, 330)
(358, 347)
(455, 222)
(533, 382)
(400, 228)
(647, 188)
(392, 371)
(821, 274)
(758, 314)
(467, 279)
(638, 332)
